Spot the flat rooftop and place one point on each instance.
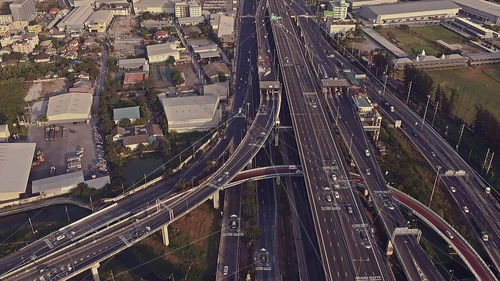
(62, 182)
(484, 6)
(15, 166)
(408, 7)
(190, 108)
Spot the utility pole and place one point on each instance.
(409, 91)
(460, 137)
(434, 187)
(425, 112)
(31, 224)
(91, 206)
(67, 214)
(436, 106)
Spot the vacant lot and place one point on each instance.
(122, 26)
(188, 70)
(57, 151)
(191, 255)
(415, 39)
(46, 89)
(478, 86)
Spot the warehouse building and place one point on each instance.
(15, 167)
(409, 12)
(137, 64)
(220, 89)
(99, 21)
(75, 20)
(161, 52)
(355, 4)
(194, 113)
(57, 185)
(23, 10)
(474, 29)
(68, 108)
(153, 6)
(484, 11)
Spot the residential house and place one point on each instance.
(134, 77)
(132, 113)
(41, 58)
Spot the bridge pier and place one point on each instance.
(164, 235)
(95, 272)
(216, 200)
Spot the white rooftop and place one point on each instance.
(64, 181)
(485, 6)
(98, 17)
(181, 109)
(70, 103)
(226, 25)
(15, 166)
(159, 49)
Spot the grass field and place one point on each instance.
(478, 86)
(416, 39)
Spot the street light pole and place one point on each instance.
(434, 187)
(435, 112)
(425, 112)
(460, 137)
(409, 91)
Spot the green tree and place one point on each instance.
(222, 77)
(125, 122)
(170, 60)
(43, 118)
(177, 77)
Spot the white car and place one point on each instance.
(337, 195)
(466, 209)
(452, 188)
(226, 270)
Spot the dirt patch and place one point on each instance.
(191, 78)
(196, 224)
(46, 88)
(122, 26)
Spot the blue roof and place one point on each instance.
(131, 112)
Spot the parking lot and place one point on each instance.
(57, 151)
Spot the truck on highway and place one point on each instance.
(487, 190)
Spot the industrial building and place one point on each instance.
(409, 12)
(161, 52)
(223, 26)
(57, 185)
(153, 6)
(132, 113)
(484, 11)
(204, 48)
(75, 20)
(193, 113)
(355, 4)
(474, 29)
(15, 167)
(23, 10)
(99, 21)
(70, 107)
(213, 69)
(137, 64)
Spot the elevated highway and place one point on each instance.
(347, 247)
(71, 252)
(482, 215)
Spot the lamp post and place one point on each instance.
(425, 112)
(434, 186)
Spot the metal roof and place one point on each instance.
(15, 166)
(70, 103)
(64, 182)
(410, 7)
(131, 112)
(484, 6)
(184, 109)
(159, 49)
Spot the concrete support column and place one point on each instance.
(95, 272)
(390, 248)
(164, 235)
(216, 200)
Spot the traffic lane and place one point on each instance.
(476, 265)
